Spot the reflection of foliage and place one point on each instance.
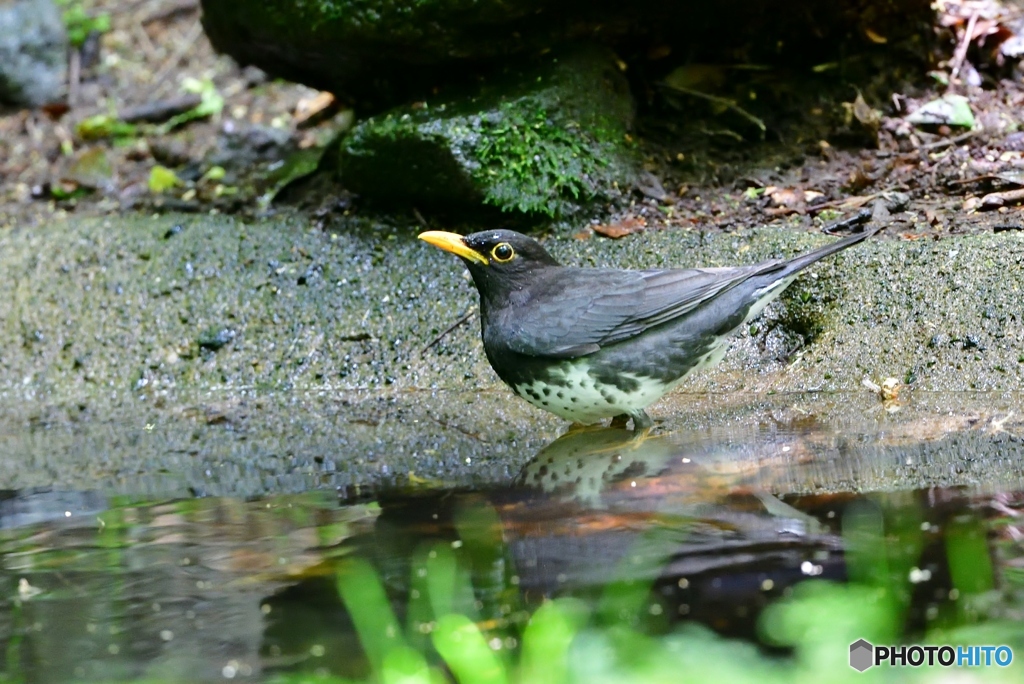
(80, 23)
(620, 639)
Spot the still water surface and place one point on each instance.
(686, 537)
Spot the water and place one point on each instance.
(713, 539)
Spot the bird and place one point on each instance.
(592, 343)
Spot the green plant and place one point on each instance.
(80, 23)
(618, 639)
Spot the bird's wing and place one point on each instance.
(586, 309)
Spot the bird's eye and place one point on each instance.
(503, 252)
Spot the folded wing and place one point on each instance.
(604, 306)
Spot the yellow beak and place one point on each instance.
(452, 242)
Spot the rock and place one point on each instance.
(33, 52)
(377, 53)
(240, 146)
(336, 365)
(544, 140)
(91, 168)
(214, 338)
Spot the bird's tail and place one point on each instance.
(804, 260)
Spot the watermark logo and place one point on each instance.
(864, 655)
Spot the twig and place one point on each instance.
(143, 38)
(172, 62)
(961, 49)
(419, 217)
(159, 111)
(172, 10)
(974, 179)
(723, 101)
(938, 144)
(449, 329)
(74, 76)
(994, 200)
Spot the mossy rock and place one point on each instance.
(547, 140)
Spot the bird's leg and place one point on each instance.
(620, 421)
(639, 437)
(641, 421)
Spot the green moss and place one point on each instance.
(545, 141)
(531, 165)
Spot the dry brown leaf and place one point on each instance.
(622, 228)
(312, 110)
(791, 197)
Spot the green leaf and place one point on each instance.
(80, 24)
(162, 179)
(211, 104)
(951, 110)
(103, 126)
(214, 173)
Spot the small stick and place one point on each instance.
(171, 11)
(961, 49)
(998, 199)
(449, 329)
(74, 76)
(948, 141)
(159, 111)
(183, 49)
(723, 101)
(419, 217)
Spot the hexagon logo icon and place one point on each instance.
(862, 655)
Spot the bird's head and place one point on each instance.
(497, 259)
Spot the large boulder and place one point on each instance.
(379, 53)
(544, 140)
(33, 52)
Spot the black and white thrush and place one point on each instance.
(592, 343)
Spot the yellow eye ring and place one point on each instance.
(502, 252)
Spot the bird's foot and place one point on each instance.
(620, 421)
(642, 421)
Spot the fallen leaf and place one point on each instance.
(649, 186)
(310, 111)
(791, 197)
(162, 179)
(995, 200)
(869, 117)
(855, 202)
(953, 110)
(622, 228)
(90, 169)
(704, 77)
(876, 38)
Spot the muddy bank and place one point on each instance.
(206, 355)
